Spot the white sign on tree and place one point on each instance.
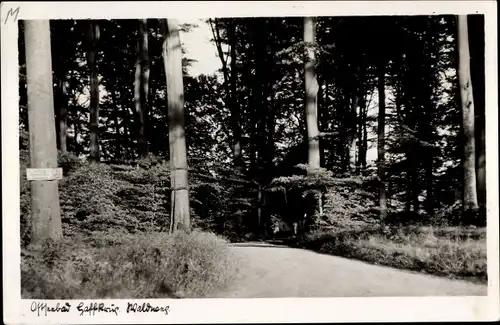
(43, 174)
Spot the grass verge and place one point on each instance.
(119, 266)
(453, 252)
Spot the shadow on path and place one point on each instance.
(258, 244)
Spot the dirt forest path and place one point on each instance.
(274, 271)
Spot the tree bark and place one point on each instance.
(172, 55)
(214, 25)
(63, 118)
(323, 117)
(311, 101)
(260, 113)
(360, 149)
(125, 117)
(481, 164)
(353, 134)
(381, 143)
(93, 36)
(469, 164)
(116, 112)
(141, 89)
(476, 39)
(76, 127)
(230, 80)
(311, 85)
(235, 113)
(45, 208)
(365, 137)
(62, 104)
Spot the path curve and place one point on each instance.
(273, 271)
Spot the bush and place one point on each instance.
(153, 265)
(451, 251)
(68, 161)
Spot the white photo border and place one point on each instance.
(290, 310)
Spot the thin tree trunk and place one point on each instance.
(230, 83)
(141, 89)
(63, 118)
(415, 185)
(469, 164)
(476, 39)
(271, 113)
(311, 85)
(353, 134)
(381, 143)
(365, 137)
(429, 160)
(117, 124)
(235, 113)
(45, 208)
(429, 199)
(481, 165)
(137, 104)
(361, 121)
(125, 117)
(259, 207)
(344, 137)
(408, 201)
(76, 131)
(94, 91)
(172, 55)
(214, 25)
(260, 112)
(324, 117)
(62, 103)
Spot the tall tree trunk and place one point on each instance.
(324, 117)
(235, 113)
(415, 186)
(75, 130)
(353, 133)
(93, 35)
(311, 101)
(116, 112)
(469, 164)
(408, 194)
(481, 163)
(365, 137)
(429, 158)
(230, 83)
(381, 143)
(476, 39)
(125, 117)
(62, 116)
(259, 110)
(45, 208)
(141, 89)
(172, 56)
(311, 85)
(214, 25)
(259, 207)
(361, 121)
(62, 103)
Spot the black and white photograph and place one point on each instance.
(157, 159)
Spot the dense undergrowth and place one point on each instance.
(120, 265)
(115, 240)
(455, 252)
(132, 198)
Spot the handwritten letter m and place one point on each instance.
(11, 13)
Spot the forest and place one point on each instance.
(360, 136)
